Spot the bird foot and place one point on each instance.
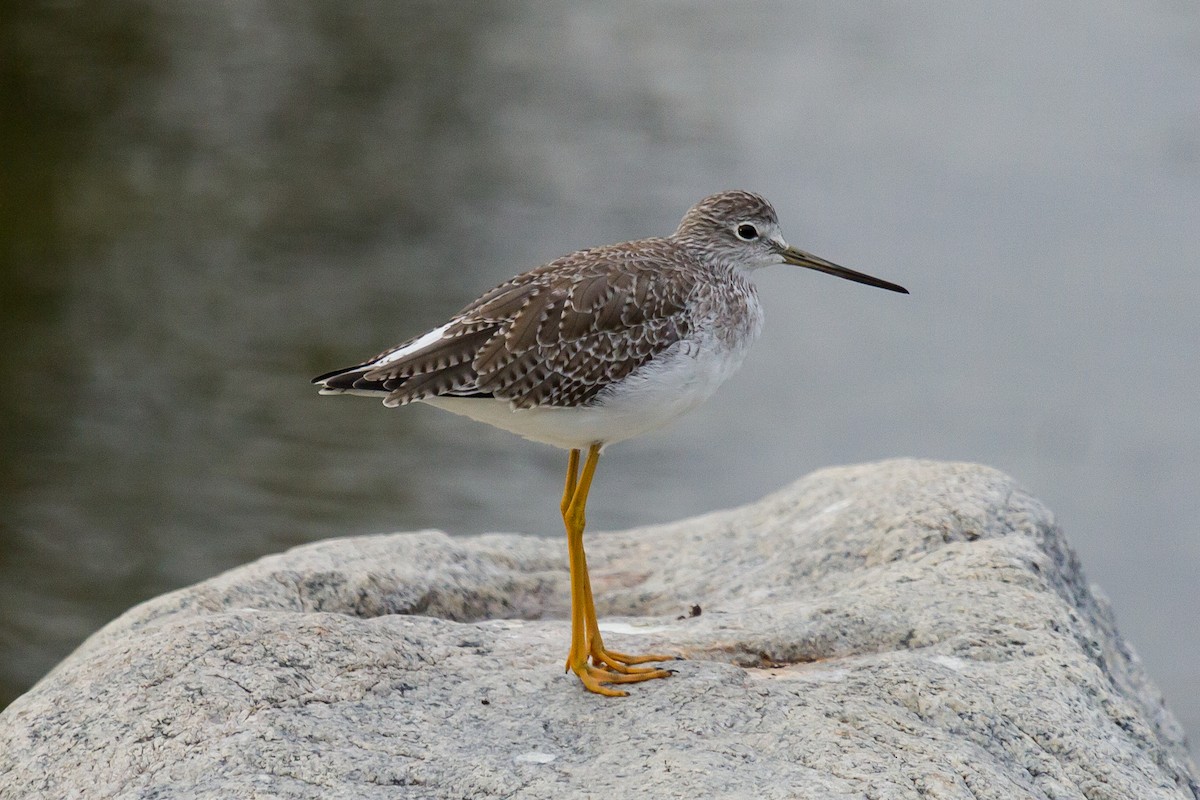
(609, 666)
(593, 676)
(623, 662)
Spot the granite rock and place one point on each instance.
(896, 630)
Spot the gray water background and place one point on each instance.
(205, 204)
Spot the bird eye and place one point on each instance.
(747, 232)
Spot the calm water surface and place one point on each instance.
(207, 204)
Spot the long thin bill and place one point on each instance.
(802, 259)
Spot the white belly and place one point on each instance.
(653, 396)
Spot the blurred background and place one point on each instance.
(205, 204)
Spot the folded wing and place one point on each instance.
(554, 336)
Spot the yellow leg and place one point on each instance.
(601, 656)
(606, 666)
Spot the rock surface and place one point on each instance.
(894, 630)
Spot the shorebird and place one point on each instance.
(594, 348)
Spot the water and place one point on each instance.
(207, 204)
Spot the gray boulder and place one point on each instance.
(897, 630)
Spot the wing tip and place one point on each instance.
(323, 379)
(340, 381)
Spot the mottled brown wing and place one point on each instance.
(554, 336)
(581, 323)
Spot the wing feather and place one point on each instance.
(555, 336)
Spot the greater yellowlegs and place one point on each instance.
(594, 348)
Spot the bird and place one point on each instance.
(594, 348)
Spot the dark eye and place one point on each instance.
(747, 232)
